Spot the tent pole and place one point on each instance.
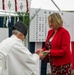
(56, 5)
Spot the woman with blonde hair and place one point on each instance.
(58, 46)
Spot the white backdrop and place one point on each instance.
(39, 24)
(3, 33)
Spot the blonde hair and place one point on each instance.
(56, 20)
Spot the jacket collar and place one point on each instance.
(14, 36)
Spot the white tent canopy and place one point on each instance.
(63, 5)
(7, 13)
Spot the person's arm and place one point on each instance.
(44, 48)
(27, 59)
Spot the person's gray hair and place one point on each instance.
(16, 32)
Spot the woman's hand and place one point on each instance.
(39, 51)
(46, 52)
(43, 54)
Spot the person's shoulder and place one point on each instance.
(64, 30)
(50, 30)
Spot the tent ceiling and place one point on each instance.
(64, 5)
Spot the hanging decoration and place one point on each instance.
(4, 18)
(7, 21)
(4, 21)
(9, 6)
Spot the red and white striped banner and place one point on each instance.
(21, 5)
(15, 5)
(10, 5)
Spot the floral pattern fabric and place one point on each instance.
(61, 70)
(58, 70)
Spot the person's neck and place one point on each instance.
(55, 30)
